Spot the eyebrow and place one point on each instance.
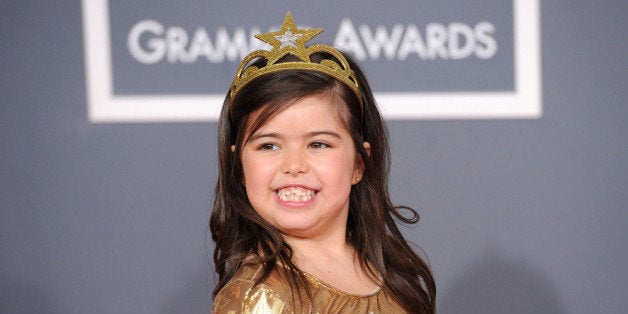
(329, 133)
(256, 136)
(277, 135)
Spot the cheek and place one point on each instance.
(257, 174)
(339, 168)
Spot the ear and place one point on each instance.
(233, 148)
(367, 148)
(359, 169)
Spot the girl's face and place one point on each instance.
(299, 168)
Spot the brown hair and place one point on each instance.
(240, 232)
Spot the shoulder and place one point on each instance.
(240, 295)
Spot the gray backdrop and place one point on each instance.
(518, 216)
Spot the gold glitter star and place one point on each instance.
(288, 39)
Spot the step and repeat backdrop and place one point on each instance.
(507, 122)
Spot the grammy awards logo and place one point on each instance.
(156, 69)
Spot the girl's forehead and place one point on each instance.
(326, 107)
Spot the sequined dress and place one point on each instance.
(273, 295)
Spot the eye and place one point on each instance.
(268, 146)
(319, 145)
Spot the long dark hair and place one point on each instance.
(239, 232)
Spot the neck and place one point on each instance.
(332, 245)
(332, 260)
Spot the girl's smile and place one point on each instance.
(295, 194)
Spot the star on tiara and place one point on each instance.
(290, 39)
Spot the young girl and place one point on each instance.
(302, 219)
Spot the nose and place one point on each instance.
(294, 162)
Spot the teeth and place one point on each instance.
(295, 194)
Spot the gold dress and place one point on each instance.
(273, 296)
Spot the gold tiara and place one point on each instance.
(291, 40)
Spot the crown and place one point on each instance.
(291, 40)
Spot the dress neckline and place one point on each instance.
(318, 282)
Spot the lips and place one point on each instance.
(295, 194)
